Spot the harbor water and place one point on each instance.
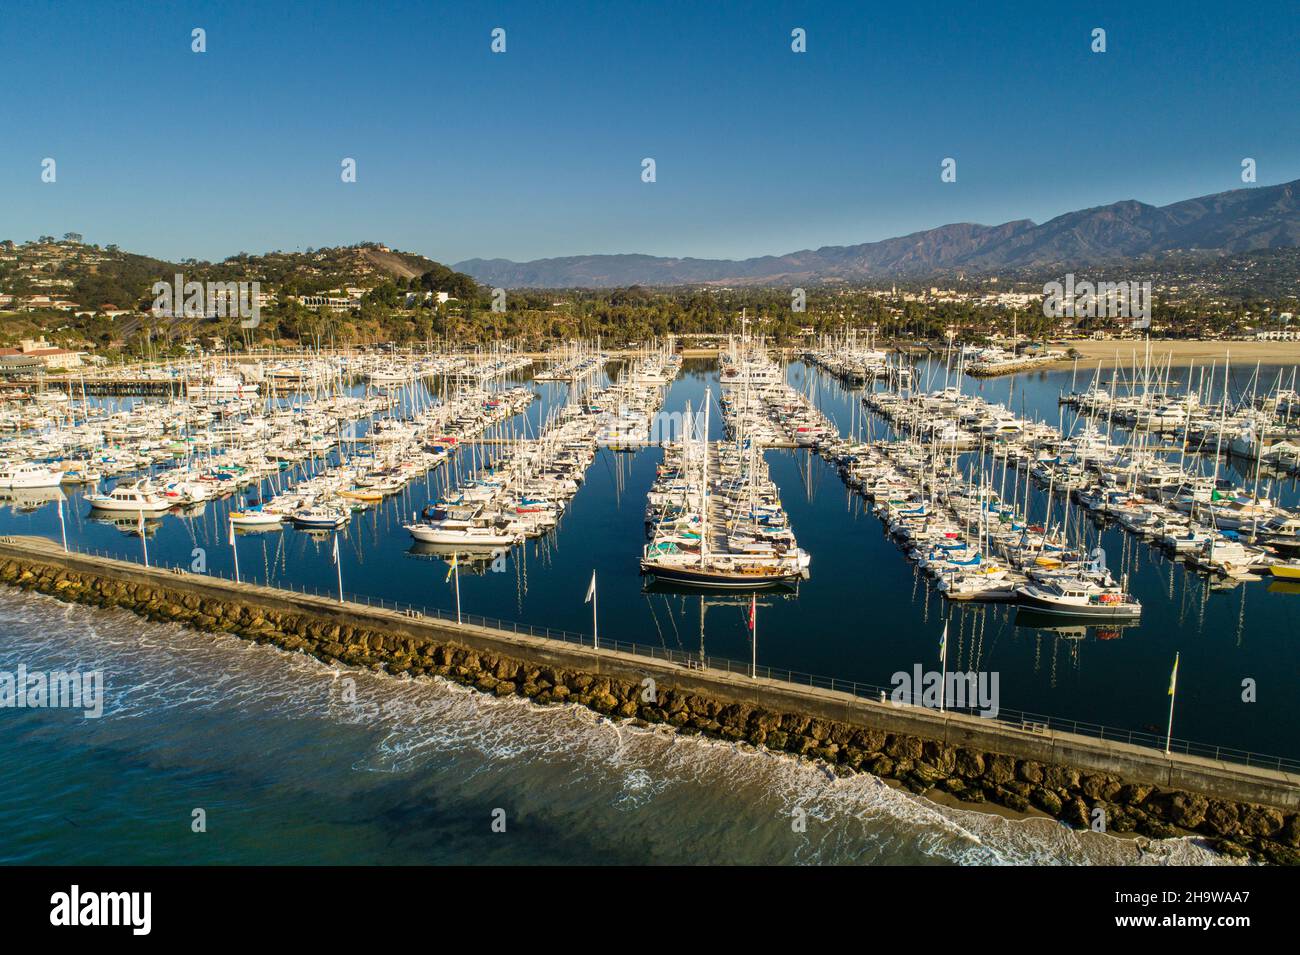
(287, 771)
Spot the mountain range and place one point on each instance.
(1241, 220)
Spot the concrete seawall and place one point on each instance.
(1241, 809)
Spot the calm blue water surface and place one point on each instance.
(263, 742)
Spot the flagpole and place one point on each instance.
(455, 567)
(591, 599)
(943, 677)
(63, 527)
(753, 637)
(1173, 689)
(234, 550)
(338, 565)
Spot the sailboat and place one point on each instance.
(255, 517)
(692, 558)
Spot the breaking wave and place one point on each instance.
(322, 763)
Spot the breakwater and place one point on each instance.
(1239, 809)
(1012, 366)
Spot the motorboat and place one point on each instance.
(27, 476)
(320, 518)
(136, 497)
(469, 534)
(1077, 597)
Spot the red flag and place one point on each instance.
(753, 603)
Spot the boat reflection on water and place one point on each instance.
(1072, 629)
(323, 535)
(477, 562)
(780, 591)
(252, 530)
(1278, 586)
(1217, 584)
(27, 500)
(734, 607)
(128, 525)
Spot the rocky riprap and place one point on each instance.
(1071, 795)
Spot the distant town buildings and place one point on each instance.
(36, 355)
(1279, 335)
(335, 303)
(433, 298)
(990, 298)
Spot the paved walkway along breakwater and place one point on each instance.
(1239, 809)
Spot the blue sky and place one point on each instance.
(537, 152)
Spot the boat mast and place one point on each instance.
(704, 482)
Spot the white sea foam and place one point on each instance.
(648, 794)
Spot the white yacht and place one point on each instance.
(137, 497)
(469, 534)
(23, 476)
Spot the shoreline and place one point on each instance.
(1177, 353)
(1018, 838)
(1239, 811)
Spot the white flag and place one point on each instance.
(232, 532)
(591, 590)
(336, 548)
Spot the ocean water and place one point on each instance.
(288, 770)
(864, 614)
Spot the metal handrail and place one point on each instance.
(865, 691)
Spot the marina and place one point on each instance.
(985, 487)
(584, 435)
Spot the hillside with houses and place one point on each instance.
(99, 298)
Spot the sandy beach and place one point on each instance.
(1180, 353)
